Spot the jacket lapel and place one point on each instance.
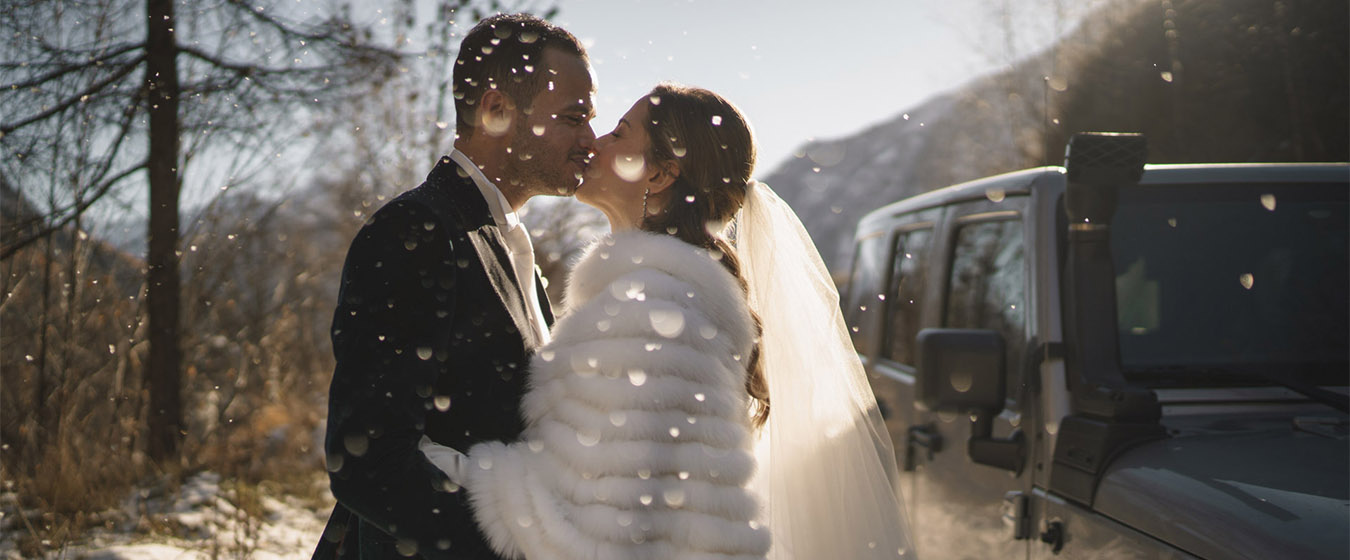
(482, 233)
(491, 248)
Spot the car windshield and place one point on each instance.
(1215, 283)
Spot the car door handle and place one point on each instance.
(925, 436)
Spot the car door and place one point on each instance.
(978, 281)
(900, 295)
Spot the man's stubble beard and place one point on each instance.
(534, 175)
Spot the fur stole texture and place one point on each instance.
(638, 439)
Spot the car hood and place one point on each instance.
(1255, 488)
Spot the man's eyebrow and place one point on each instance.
(584, 110)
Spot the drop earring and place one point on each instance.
(645, 194)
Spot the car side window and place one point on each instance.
(904, 295)
(862, 307)
(988, 285)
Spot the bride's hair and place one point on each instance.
(711, 142)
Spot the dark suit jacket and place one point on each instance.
(431, 336)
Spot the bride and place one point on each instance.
(698, 396)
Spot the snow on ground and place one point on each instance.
(204, 521)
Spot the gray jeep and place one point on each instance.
(1115, 360)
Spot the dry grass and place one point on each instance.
(73, 405)
(76, 486)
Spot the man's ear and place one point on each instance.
(495, 112)
(663, 175)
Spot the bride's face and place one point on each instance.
(618, 173)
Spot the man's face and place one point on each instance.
(552, 138)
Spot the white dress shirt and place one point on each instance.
(517, 238)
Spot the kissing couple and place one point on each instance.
(698, 396)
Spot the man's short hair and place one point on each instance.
(504, 52)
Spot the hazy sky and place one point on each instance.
(799, 69)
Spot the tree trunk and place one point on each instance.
(42, 419)
(163, 370)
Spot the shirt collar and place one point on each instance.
(502, 213)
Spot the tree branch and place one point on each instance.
(128, 117)
(327, 36)
(211, 85)
(62, 106)
(67, 68)
(252, 71)
(78, 208)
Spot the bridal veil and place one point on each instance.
(827, 471)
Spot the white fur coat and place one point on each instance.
(638, 443)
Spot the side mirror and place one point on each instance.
(960, 369)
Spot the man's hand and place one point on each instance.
(451, 462)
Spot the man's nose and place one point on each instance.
(588, 138)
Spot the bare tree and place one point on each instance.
(153, 89)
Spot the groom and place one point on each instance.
(440, 306)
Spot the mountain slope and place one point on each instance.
(1205, 80)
